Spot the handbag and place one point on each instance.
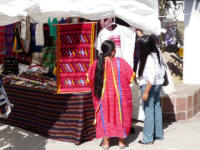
(166, 81)
(164, 65)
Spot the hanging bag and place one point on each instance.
(166, 81)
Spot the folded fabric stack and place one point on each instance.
(30, 81)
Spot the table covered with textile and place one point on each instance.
(64, 117)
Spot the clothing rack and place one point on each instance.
(32, 20)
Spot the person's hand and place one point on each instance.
(139, 33)
(145, 96)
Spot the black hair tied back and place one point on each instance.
(107, 47)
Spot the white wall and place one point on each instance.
(176, 13)
(191, 65)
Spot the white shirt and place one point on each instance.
(124, 39)
(153, 72)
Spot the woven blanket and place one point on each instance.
(75, 54)
(64, 117)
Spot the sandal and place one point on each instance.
(122, 147)
(104, 147)
(142, 142)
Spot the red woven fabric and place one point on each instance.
(2, 43)
(75, 53)
(108, 116)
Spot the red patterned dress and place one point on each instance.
(113, 111)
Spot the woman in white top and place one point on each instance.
(150, 77)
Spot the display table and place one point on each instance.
(65, 117)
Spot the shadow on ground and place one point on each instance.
(134, 133)
(11, 138)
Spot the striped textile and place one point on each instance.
(75, 54)
(2, 43)
(66, 117)
(9, 37)
(49, 56)
(49, 50)
(23, 58)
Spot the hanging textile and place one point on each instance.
(52, 25)
(75, 54)
(37, 58)
(6, 41)
(39, 38)
(124, 39)
(27, 35)
(2, 43)
(18, 43)
(48, 40)
(9, 37)
(33, 46)
(23, 58)
(49, 56)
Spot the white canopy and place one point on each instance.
(142, 14)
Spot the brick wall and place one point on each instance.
(182, 105)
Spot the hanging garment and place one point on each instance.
(53, 27)
(48, 40)
(124, 39)
(2, 43)
(18, 43)
(23, 58)
(113, 111)
(49, 56)
(62, 21)
(32, 41)
(39, 36)
(37, 58)
(9, 36)
(105, 22)
(5, 105)
(27, 36)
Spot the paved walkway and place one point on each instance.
(181, 135)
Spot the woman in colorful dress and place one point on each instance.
(110, 77)
(150, 77)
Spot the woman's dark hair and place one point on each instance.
(147, 45)
(107, 47)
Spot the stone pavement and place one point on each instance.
(181, 135)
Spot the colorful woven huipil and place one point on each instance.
(113, 110)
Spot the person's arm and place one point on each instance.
(146, 92)
(139, 33)
(150, 69)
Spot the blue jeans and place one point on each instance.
(153, 115)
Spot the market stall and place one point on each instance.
(53, 43)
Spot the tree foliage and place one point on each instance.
(164, 5)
